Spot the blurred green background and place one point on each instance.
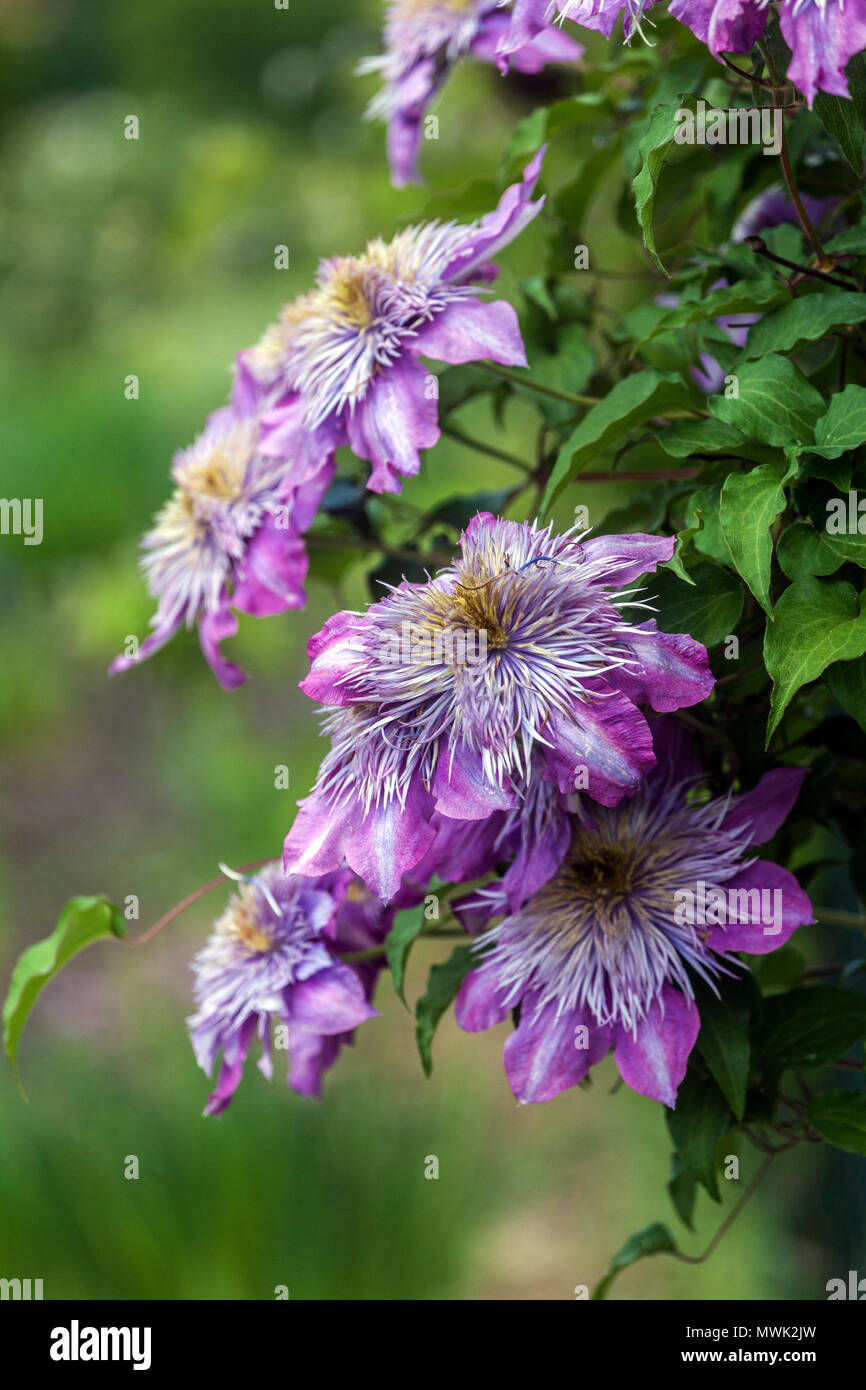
(155, 257)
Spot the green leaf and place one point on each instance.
(723, 1041)
(443, 986)
(744, 297)
(631, 402)
(458, 511)
(406, 927)
(82, 921)
(840, 1118)
(709, 611)
(844, 425)
(846, 681)
(749, 506)
(709, 540)
(653, 150)
(696, 1125)
(817, 621)
(682, 1190)
(686, 437)
(806, 1027)
(651, 1240)
(776, 404)
(804, 550)
(853, 240)
(842, 117)
(804, 320)
(545, 122)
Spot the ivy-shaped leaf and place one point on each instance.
(749, 506)
(775, 404)
(653, 150)
(651, 1240)
(443, 986)
(816, 622)
(406, 928)
(82, 921)
(630, 403)
(840, 1118)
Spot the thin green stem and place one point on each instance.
(505, 375)
(729, 1219)
(480, 447)
(374, 951)
(841, 919)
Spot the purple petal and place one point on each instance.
(498, 228)
(823, 40)
(395, 419)
(409, 99)
(234, 1055)
(551, 45)
(736, 26)
(653, 1060)
(336, 654)
(285, 435)
(461, 788)
(528, 18)
(381, 844)
(331, 1001)
(626, 558)
(674, 748)
(609, 741)
(672, 672)
(543, 1056)
(478, 1005)
(310, 1056)
(766, 806)
(471, 331)
(163, 634)
(270, 578)
(213, 629)
(775, 907)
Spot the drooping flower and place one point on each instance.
(531, 18)
(423, 41)
(515, 664)
(272, 960)
(647, 896)
(773, 207)
(823, 35)
(341, 364)
(228, 538)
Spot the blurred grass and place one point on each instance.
(155, 257)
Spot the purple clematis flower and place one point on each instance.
(229, 538)
(341, 365)
(423, 41)
(272, 958)
(530, 18)
(455, 696)
(645, 896)
(773, 207)
(823, 35)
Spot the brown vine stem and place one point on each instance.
(729, 1219)
(188, 902)
(824, 261)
